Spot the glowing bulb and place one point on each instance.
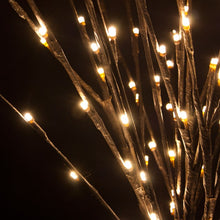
(170, 64)
(84, 105)
(28, 117)
(136, 31)
(172, 156)
(44, 42)
(146, 158)
(143, 176)
(95, 47)
(172, 192)
(202, 170)
(81, 20)
(186, 9)
(74, 175)
(42, 31)
(183, 116)
(101, 73)
(178, 190)
(152, 145)
(125, 120)
(172, 208)
(169, 107)
(132, 85)
(161, 50)
(128, 164)
(176, 37)
(153, 216)
(203, 109)
(112, 32)
(213, 63)
(137, 98)
(185, 23)
(157, 80)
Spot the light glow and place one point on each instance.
(44, 42)
(157, 80)
(146, 158)
(172, 208)
(153, 216)
(203, 109)
(81, 20)
(169, 107)
(125, 120)
(170, 64)
(112, 33)
(74, 175)
(132, 85)
(101, 73)
(172, 156)
(213, 63)
(143, 176)
(128, 164)
(42, 31)
(152, 145)
(183, 116)
(176, 37)
(162, 50)
(185, 23)
(28, 117)
(84, 105)
(136, 31)
(137, 98)
(172, 192)
(95, 47)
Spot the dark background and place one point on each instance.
(34, 179)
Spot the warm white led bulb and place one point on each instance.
(143, 176)
(186, 9)
(153, 216)
(74, 175)
(185, 23)
(112, 32)
(204, 109)
(136, 31)
(172, 192)
(146, 158)
(152, 145)
(157, 80)
(183, 115)
(132, 85)
(42, 30)
(28, 117)
(176, 37)
(124, 119)
(161, 50)
(170, 64)
(84, 105)
(171, 153)
(128, 164)
(95, 47)
(213, 63)
(169, 107)
(172, 207)
(81, 20)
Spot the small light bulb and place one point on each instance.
(125, 120)
(137, 98)
(146, 158)
(170, 64)
(157, 80)
(153, 216)
(172, 192)
(169, 107)
(74, 175)
(81, 20)
(143, 176)
(186, 9)
(202, 170)
(101, 73)
(95, 47)
(42, 31)
(172, 208)
(183, 116)
(28, 117)
(213, 63)
(178, 190)
(136, 31)
(172, 156)
(152, 145)
(176, 37)
(112, 33)
(161, 50)
(128, 164)
(186, 23)
(132, 85)
(84, 105)
(44, 42)
(203, 109)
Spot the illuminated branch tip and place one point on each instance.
(127, 164)
(185, 23)
(152, 145)
(28, 117)
(169, 107)
(44, 42)
(74, 175)
(111, 33)
(136, 31)
(101, 73)
(172, 156)
(186, 9)
(172, 208)
(183, 116)
(132, 85)
(213, 63)
(172, 192)
(143, 176)
(146, 158)
(176, 37)
(161, 50)
(124, 119)
(95, 47)
(42, 31)
(81, 20)
(202, 170)
(203, 109)
(153, 216)
(84, 105)
(170, 64)
(157, 80)
(137, 98)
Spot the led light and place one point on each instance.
(42, 31)
(185, 23)
(170, 64)
(101, 73)
(84, 105)
(44, 42)
(186, 9)
(152, 145)
(132, 85)
(183, 117)
(28, 117)
(137, 98)
(178, 189)
(143, 176)
(203, 109)
(124, 120)
(172, 208)
(202, 170)
(153, 216)
(128, 164)
(74, 175)
(112, 33)
(81, 20)
(172, 156)
(161, 50)
(213, 63)
(146, 158)
(172, 192)
(157, 80)
(169, 107)
(136, 31)
(95, 47)
(176, 37)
